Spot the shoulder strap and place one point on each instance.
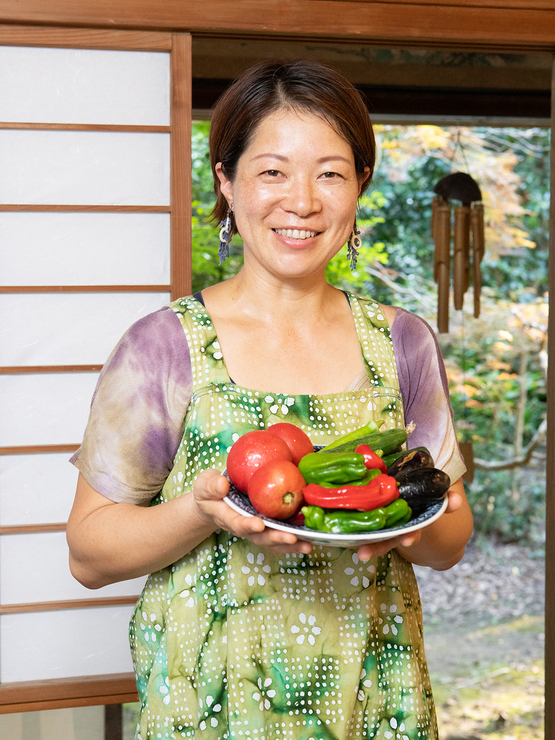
(375, 338)
(207, 362)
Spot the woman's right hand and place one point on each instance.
(208, 492)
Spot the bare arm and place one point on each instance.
(110, 542)
(440, 545)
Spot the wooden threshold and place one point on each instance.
(17, 126)
(85, 288)
(32, 528)
(33, 449)
(49, 606)
(23, 207)
(22, 369)
(29, 696)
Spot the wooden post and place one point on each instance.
(181, 121)
(113, 722)
(549, 730)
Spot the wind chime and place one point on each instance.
(468, 222)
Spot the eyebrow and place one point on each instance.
(281, 158)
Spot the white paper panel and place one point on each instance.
(36, 646)
(84, 86)
(36, 489)
(34, 567)
(45, 408)
(80, 167)
(85, 248)
(68, 328)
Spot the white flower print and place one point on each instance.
(308, 630)
(264, 694)
(165, 691)
(150, 630)
(255, 572)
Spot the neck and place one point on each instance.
(292, 300)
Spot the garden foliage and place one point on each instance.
(496, 363)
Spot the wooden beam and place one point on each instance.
(82, 691)
(508, 24)
(415, 100)
(84, 38)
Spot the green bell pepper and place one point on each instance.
(354, 522)
(340, 522)
(335, 467)
(397, 513)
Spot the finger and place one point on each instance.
(300, 547)
(377, 549)
(454, 502)
(366, 552)
(406, 540)
(211, 484)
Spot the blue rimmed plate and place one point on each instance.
(240, 502)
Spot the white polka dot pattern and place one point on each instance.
(235, 642)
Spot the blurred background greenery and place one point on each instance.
(496, 364)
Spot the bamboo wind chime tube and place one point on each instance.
(461, 266)
(441, 233)
(478, 249)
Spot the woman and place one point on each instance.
(243, 630)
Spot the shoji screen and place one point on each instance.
(94, 234)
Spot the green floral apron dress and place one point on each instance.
(233, 641)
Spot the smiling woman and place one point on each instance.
(245, 630)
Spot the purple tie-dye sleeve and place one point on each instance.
(424, 388)
(137, 412)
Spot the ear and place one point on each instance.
(226, 186)
(363, 179)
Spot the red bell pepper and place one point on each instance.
(381, 491)
(371, 459)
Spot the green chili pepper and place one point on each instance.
(388, 442)
(398, 512)
(340, 522)
(369, 428)
(335, 467)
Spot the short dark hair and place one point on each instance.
(301, 85)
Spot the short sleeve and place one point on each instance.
(424, 388)
(137, 412)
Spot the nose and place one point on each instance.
(302, 197)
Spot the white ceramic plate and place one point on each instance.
(240, 503)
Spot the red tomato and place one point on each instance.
(298, 442)
(276, 489)
(250, 452)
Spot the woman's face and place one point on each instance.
(294, 195)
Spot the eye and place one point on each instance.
(272, 173)
(330, 175)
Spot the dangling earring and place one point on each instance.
(353, 247)
(225, 235)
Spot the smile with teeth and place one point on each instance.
(296, 233)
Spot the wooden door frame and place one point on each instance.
(473, 25)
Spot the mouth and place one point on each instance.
(296, 233)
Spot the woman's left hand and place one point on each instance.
(456, 502)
